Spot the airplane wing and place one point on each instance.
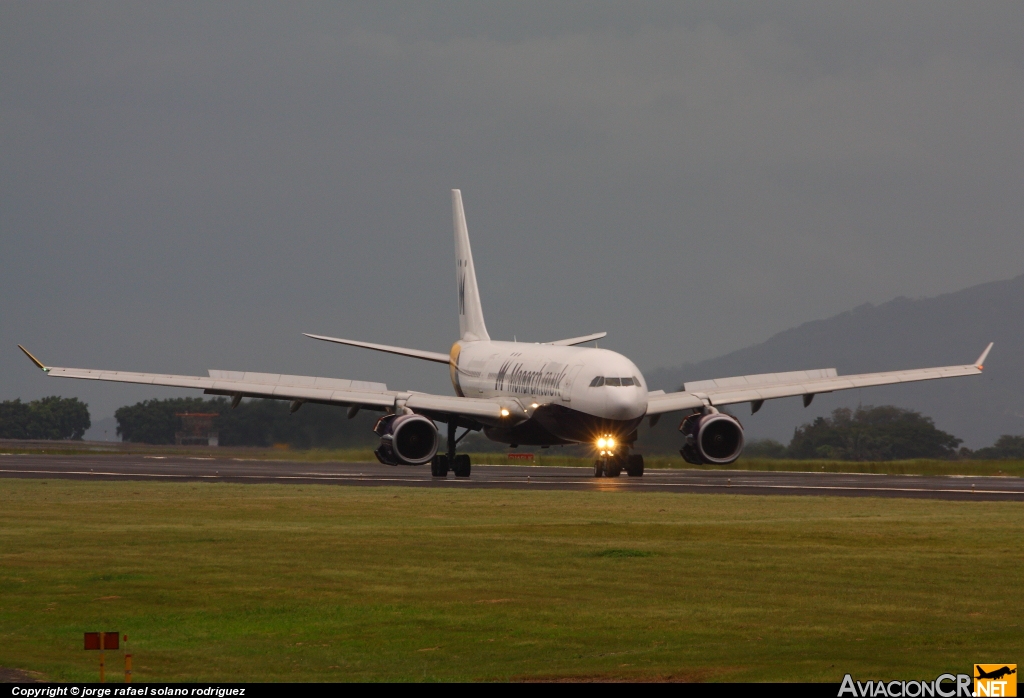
(768, 386)
(331, 391)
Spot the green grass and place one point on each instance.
(263, 583)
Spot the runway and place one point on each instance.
(182, 469)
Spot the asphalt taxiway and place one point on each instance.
(181, 469)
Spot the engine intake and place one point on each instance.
(714, 438)
(406, 439)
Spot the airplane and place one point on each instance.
(519, 393)
(995, 674)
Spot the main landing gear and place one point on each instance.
(441, 464)
(612, 466)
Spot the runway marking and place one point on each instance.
(195, 477)
(605, 484)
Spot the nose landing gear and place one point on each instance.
(612, 466)
(608, 466)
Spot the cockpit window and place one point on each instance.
(610, 380)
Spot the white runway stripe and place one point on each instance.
(586, 482)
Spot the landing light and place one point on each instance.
(504, 412)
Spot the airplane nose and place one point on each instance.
(624, 403)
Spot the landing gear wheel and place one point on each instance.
(461, 466)
(439, 466)
(598, 468)
(635, 465)
(613, 466)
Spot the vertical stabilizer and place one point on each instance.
(471, 315)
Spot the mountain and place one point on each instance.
(102, 430)
(948, 329)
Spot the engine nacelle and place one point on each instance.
(714, 438)
(405, 439)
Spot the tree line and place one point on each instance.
(49, 418)
(865, 434)
(878, 434)
(252, 423)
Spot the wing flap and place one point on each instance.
(468, 406)
(672, 402)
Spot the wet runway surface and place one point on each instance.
(182, 469)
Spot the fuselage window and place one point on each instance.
(611, 381)
(627, 381)
(597, 382)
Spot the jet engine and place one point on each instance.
(714, 438)
(405, 439)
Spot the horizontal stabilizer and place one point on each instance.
(572, 341)
(402, 351)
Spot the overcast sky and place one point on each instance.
(188, 186)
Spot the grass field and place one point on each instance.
(263, 582)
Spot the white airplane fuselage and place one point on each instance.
(566, 394)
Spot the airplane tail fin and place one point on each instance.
(471, 314)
